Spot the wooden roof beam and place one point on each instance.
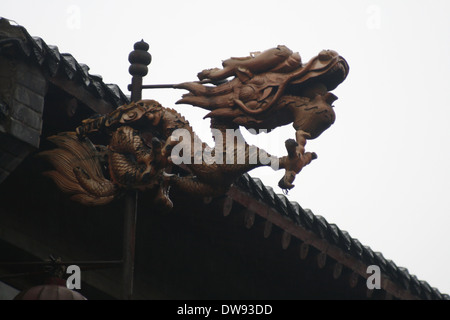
(311, 239)
(78, 91)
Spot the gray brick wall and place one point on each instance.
(22, 91)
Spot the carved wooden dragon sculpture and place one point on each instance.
(266, 90)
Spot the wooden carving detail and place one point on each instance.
(266, 84)
(266, 90)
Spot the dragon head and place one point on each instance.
(271, 89)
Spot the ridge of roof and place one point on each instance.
(53, 62)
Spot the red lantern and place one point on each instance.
(54, 289)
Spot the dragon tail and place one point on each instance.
(77, 170)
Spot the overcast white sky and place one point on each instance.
(383, 168)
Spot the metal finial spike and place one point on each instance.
(141, 45)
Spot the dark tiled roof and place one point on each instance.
(53, 62)
(320, 226)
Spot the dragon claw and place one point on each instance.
(291, 147)
(295, 161)
(285, 183)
